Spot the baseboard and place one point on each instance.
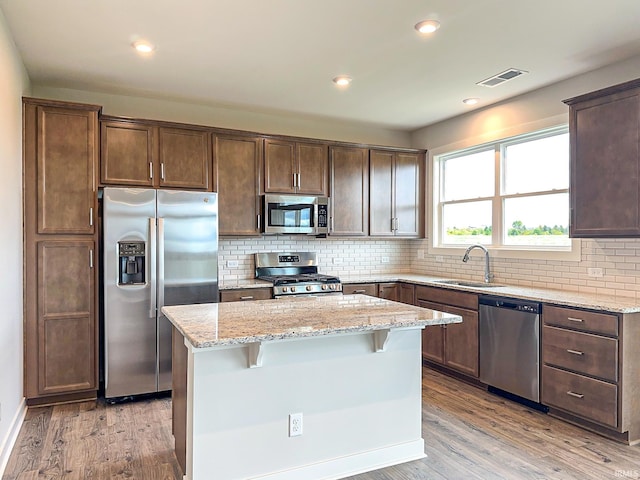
(9, 441)
(353, 464)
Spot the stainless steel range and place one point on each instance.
(295, 273)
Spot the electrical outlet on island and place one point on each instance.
(295, 424)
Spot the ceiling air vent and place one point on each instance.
(502, 77)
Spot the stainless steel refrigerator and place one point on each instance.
(160, 248)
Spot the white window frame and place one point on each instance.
(569, 253)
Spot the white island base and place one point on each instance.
(361, 408)
(349, 365)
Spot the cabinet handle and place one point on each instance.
(150, 171)
(162, 171)
(258, 222)
(359, 291)
(248, 297)
(397, 224)
(573, 319)
(574, 394)
(293, 179)
(91, 217)
(298, 178)
(91, 258)
(393, 223)
(574, 352)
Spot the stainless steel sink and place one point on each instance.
(464, 283)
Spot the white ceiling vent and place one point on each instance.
(502, 77)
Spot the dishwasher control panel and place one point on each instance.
(510, 303)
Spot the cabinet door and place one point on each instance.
(461, 341)
(381, 196)
(313, 168)
(407, 195)
(185, 158)
(66, 170)
(66, 317)
(126, 154)
(349, 209)
(389, 291)
(432, 339)
(280, 168)
(605, 166)
(407, 293)
(239, 165)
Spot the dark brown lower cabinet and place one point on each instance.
(591, 369)
(456, 345)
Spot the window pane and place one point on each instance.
(537, 165)
(469, 176)
(540, 221)
(467, 223)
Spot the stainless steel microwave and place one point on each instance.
(296, 214)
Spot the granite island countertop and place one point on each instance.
(213, 324)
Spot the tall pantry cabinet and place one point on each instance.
(60, 161)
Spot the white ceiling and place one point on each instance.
(280, 55)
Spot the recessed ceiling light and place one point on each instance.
(427, 26)
(143, 47)
(342, 80)
(470, 101)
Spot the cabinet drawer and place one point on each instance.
(582, 352)
(448, 297)
(580, 320)
(589, 398)
(364, 288)
(245, 294)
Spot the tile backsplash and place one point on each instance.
(343, 256)
(619, 260)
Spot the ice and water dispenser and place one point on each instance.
(131, 268)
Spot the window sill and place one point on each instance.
(571, 254)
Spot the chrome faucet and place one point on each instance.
(488, 276)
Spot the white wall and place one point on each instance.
(13, 83)
(227, 117)
(619, 258)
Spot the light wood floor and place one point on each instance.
(469, 434)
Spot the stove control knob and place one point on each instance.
(293, 289)
(332, 287)
(308, 288)
(285, 289)
(324, 287)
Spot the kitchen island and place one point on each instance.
(305, 388)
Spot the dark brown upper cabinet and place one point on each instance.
(349, 199)
(239, 161)
(296, 168)
(395, 194)
(604, 129)
(136, 153)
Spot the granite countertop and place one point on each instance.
(213, 324)
(607, 303)
(244, 283)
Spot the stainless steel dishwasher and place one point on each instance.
(510, 345)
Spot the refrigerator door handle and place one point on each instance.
(160, 257)
(152, 267)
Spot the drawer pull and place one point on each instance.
(574, 352)
(359, 291)
(574, 394)
(573, 319)
(249, 297)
